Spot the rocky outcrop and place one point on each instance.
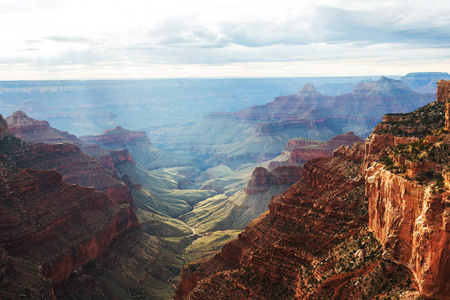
(56, 225)
(299, 151)
(413, 225)
(118, 138)
(402, 170)
(34, 131)
(312, 244)
(75, 166)
(3, 127)
(443, 91)
(443, 96)
(49, 228)
(262, 179)
(114, 158)
(408, 209)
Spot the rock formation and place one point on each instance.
(262, 179)
(315, 242)
(300, 155)
(49, 228)
(259, 133)
(138, 144)
(312, 244)
(118, 138)
(34, 131)
(408, 205)
(66, 157)
(443, 96)
(299, 151)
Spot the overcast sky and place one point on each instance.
(62, 39)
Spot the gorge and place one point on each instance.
(112, 215)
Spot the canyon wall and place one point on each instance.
(50, 228)
(402, 228)
(408, 207)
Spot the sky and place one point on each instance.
(88, 39)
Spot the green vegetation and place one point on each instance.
(209, 244)
(419, 123)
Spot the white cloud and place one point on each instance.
(89, 38)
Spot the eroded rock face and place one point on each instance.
(118, 138)
(414, 227)
(75, 167)
(287, 252)
(443, 96)
(3, 127)
(408, 212)
(262, 179)
(34, 131)
(443, 91)
(61, 226)
(408, 207)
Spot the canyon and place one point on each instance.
(342, 213)
(50, 227)
(260, 132)
(370, 222)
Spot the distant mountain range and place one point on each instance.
(260, 132)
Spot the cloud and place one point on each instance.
(262, 33)
(219, 34)
(339, 25)
(183, 31)
(70, 39)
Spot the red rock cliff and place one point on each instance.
(294, 251)
(119, 138)
(262, 179)
(408, 207)
(75, 166)
(58, 225)
(310, 245)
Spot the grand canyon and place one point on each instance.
(304, 197)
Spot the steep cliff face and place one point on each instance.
(299, 151)
(34, 131)
(408, 205)
(48, 227)
(443, 96)
(262, 179)
(312, 244)
(75, 166)
(295, 250)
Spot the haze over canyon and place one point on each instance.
(284, 188)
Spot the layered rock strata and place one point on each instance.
(34, 131)
(75, 166)
(262, 179)
(299, 151)
(295, 250)
(49, 228)
(408, 205)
